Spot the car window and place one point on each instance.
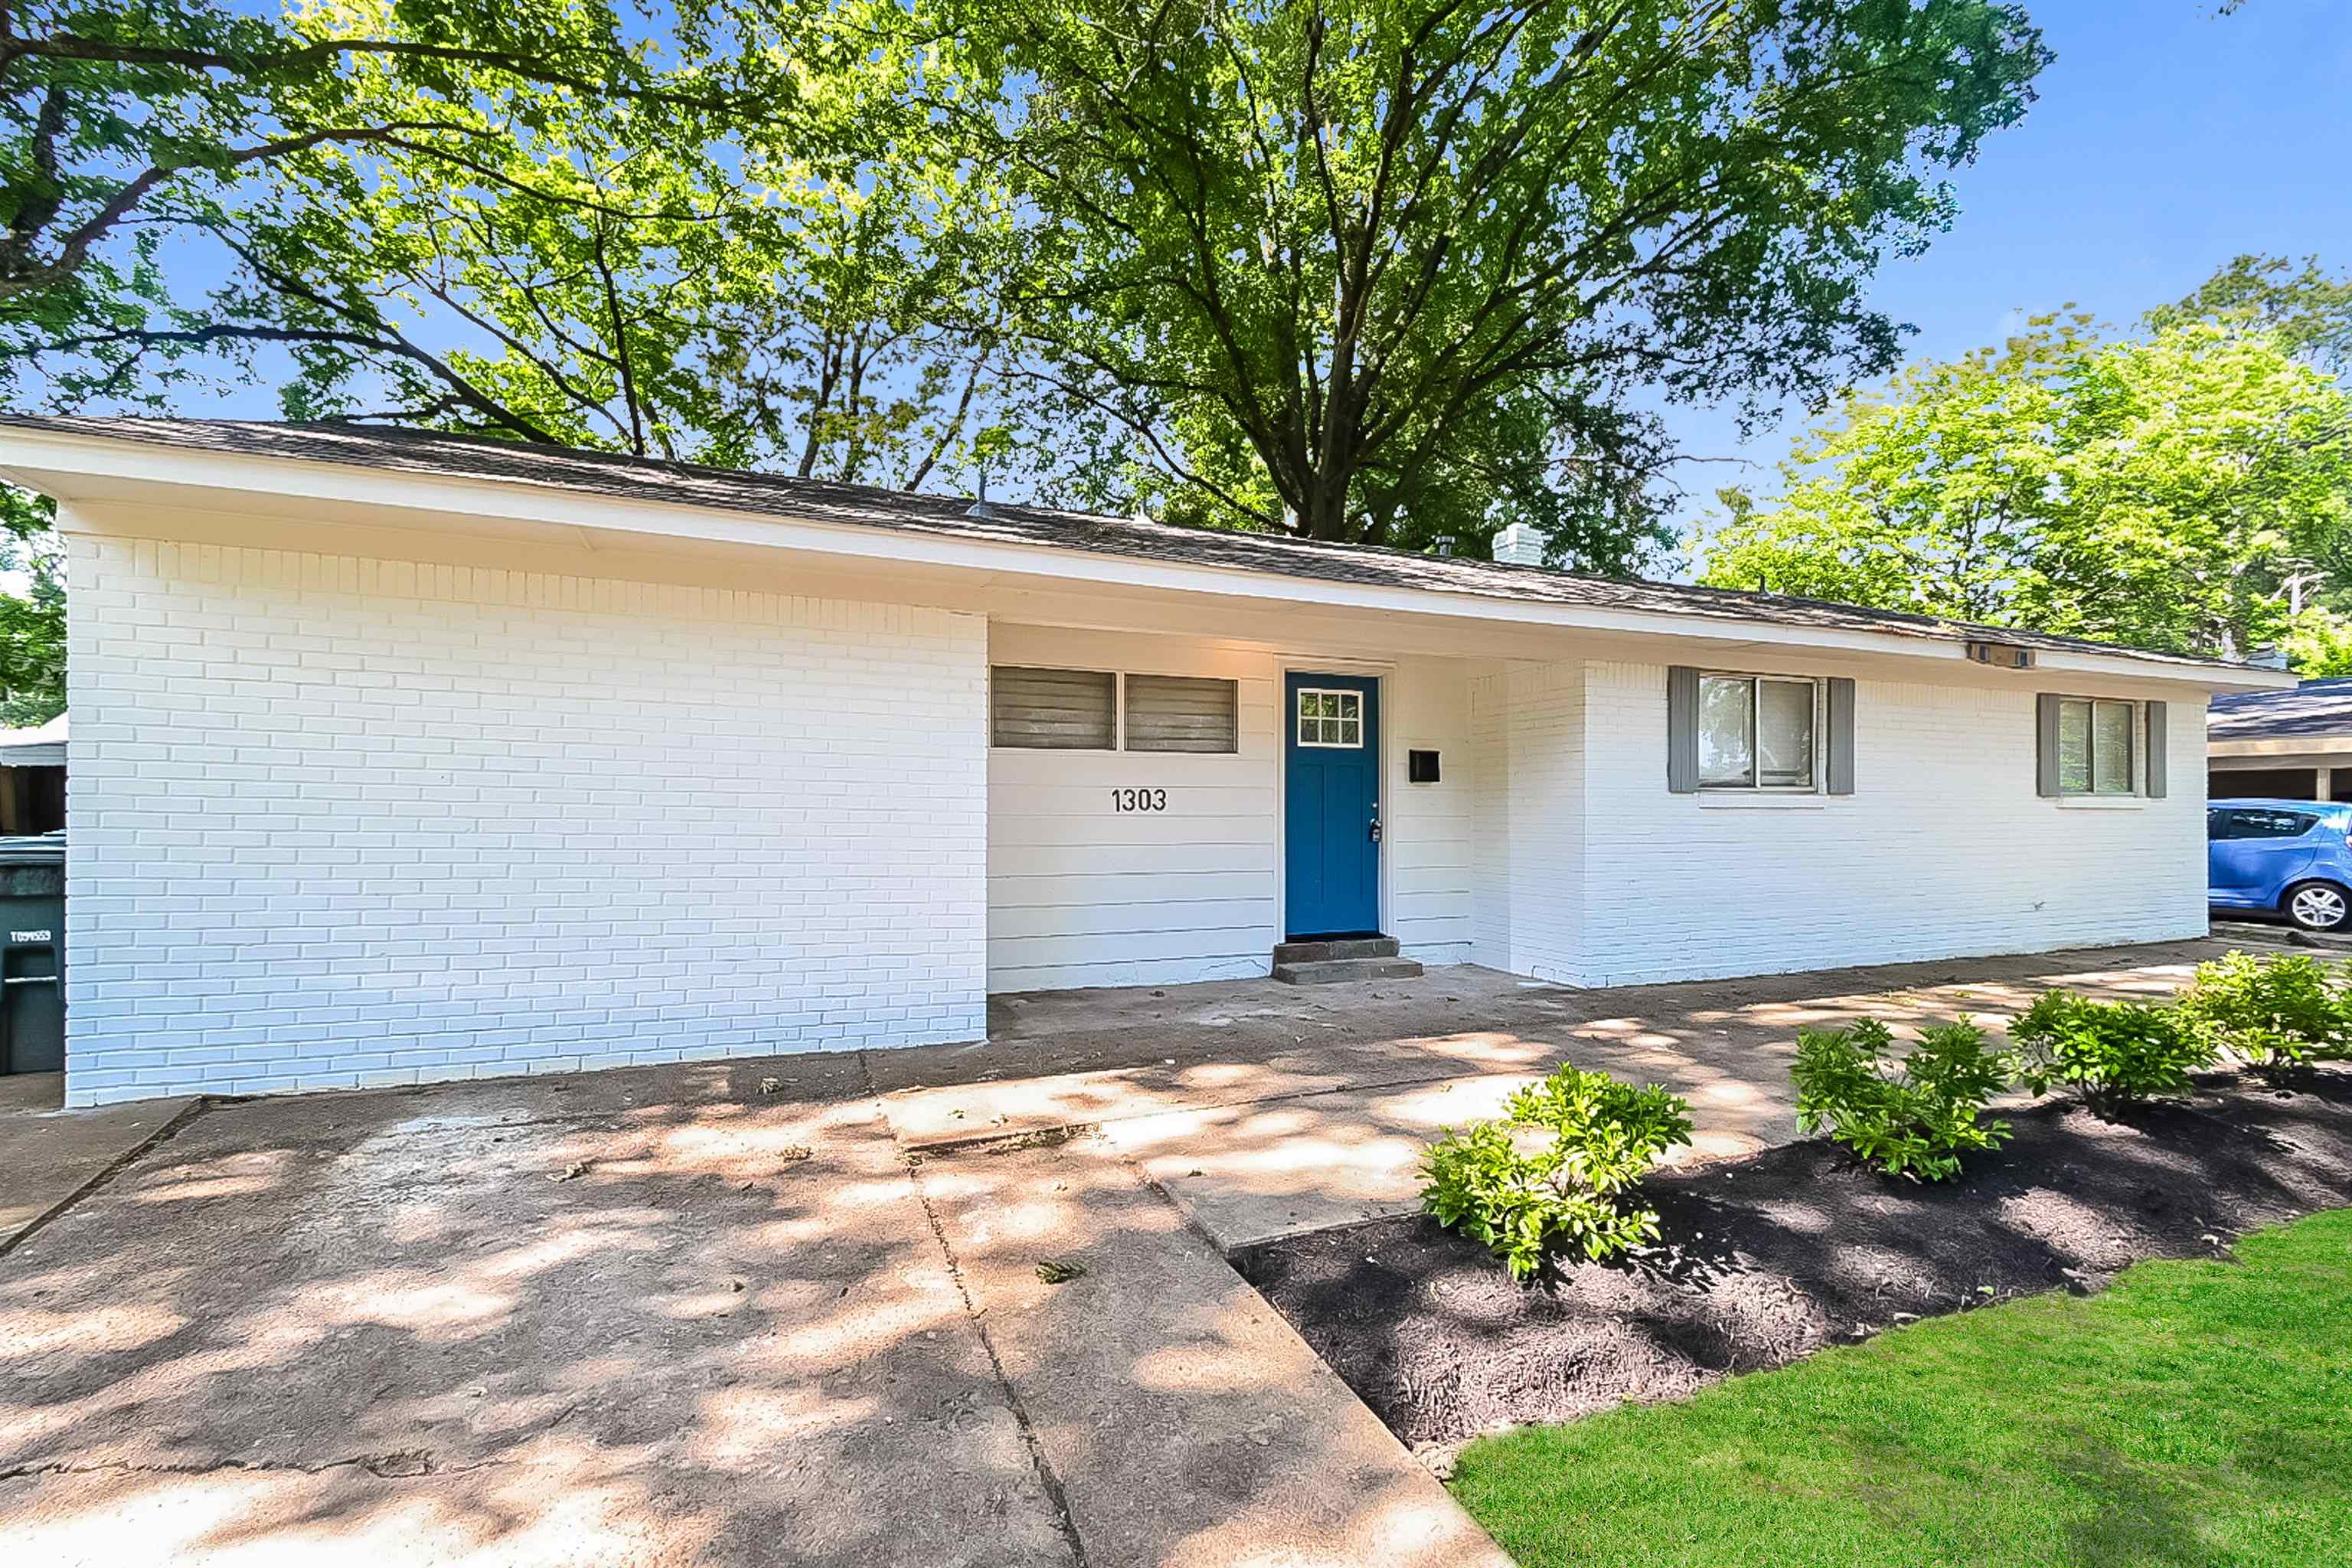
(2253, 823)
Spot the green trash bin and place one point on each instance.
(32, 953)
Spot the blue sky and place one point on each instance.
(2167, 139)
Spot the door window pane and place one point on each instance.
(2111, 748)
(1784, 733)
(1330, 717)
(2074, 747)
(1727, 732)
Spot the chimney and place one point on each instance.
(1520, 546)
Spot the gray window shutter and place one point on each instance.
(1181, 713)
(1841, 770)
(2156, 750)
(1057, 710)
(1682, 728)
(2045, 743)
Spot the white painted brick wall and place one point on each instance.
(1590, 872)
(339, 822)
(1943, 851)
(1529, 722)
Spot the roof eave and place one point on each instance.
(63, 462)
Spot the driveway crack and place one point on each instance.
(1037, 1460)
(186, 1114)
(401, 1464)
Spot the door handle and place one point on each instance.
(1376, 830)
(29, 980)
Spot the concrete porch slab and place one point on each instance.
(1262, 1111)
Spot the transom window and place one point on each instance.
(2097, 738)
(1755, 732)
(1330, 717)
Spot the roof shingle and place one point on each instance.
(2315, 708)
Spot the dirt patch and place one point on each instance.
(1774, 1257)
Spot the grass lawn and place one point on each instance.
(2192, 1414)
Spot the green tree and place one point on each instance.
(33, 623)
(2163, 492)
(2319, 644)
(1387, 271)
(2300, 305)
(127, 131)
(734, 243)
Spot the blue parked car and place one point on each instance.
(2284, 856)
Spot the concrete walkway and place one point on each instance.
(1266, 1110)
(790, 1312)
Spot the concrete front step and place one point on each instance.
(1341, 947)
(1337, 971)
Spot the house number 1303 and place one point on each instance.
(1138, 800)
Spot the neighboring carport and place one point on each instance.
(2281, 745)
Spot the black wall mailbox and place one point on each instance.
(1421, 767)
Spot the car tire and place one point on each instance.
(2317, 906)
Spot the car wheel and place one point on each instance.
(2318, 906)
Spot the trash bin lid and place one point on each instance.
(34, 849)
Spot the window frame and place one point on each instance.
(2136, 757)
(1298, 719)
(1816, 758)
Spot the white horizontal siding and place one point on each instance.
(1082, 893)
(1428, 831)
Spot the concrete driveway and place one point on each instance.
(789, 1311)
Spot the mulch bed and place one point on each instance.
(1774, 1257)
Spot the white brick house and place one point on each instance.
(401, 758)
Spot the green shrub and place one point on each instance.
(1915, 1122)
(1605, 1136)
(2284, 1010)
(2112, 1052)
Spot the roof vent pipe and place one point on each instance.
(1519, 545)
(980, 507)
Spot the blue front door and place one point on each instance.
(1331, 806)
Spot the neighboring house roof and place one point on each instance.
(2313, 710)
(41, 746)
(688, 484)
